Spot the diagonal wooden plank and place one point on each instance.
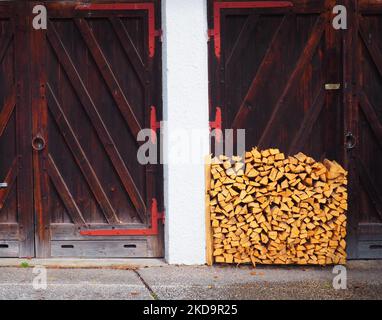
(371, 46)
(370, 187)
(303, 60)
(129, 48)
(7, 109)
(65, 193)
(109, 77)
(80, 157)
(307, 124)
(91, 110)
(263, 70)
(249, 25)
(371, 116)
(4, 44)
(10, 180)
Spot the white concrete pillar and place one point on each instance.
(185, 102)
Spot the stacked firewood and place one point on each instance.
(273, 209)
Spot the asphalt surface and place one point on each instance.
(364, 281)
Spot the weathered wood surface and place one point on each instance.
(270, 80)
(99, 249)
(82, 89)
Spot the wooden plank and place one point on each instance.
(303, 60)
(4, 45)
(9, 249)
(254, 89)
(249, 25)
(351, 77)
(109, 77)
(96, 120)
(99, 249)
(65, 193)
(9, 231)
(209, 239)
(7, 110)
(370, 249)
(371, 46)
(80, 157)
(307, 123)
(39, 111)
(10, 179)
(69, 231)
(369, 231)
(23, 111)
(129, 48)
(370, 187)
(373, 120)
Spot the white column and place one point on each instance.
(185, 101)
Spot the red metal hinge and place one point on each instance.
(217, 124)
(148, 6)
(219, 5)
(154, 124)
(152, 231)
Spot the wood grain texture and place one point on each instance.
(209, 239)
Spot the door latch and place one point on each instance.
(332, 86)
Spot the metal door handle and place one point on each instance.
(38, 143)
(350, 141)
(3, 185)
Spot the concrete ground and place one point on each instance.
(153, 279)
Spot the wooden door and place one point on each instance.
(364, 129)
(95, 71)
(16, 201)
(276, 71)
(269, 72)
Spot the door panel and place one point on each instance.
(271, 75)
(367, 152)
(269, 67)
(97, 83)
(73, 98)
(16, 215)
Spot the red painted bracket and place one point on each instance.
(219, 5)
(152, 231)
(148, 6)
(217, 124)
(154, 124)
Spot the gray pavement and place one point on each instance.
(154, 280)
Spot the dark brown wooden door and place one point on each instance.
(273, 70)
(271, 73)
(365, 132)
(73, 98)
(98, 76)
(16, 201)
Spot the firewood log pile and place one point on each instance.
(273, 209)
